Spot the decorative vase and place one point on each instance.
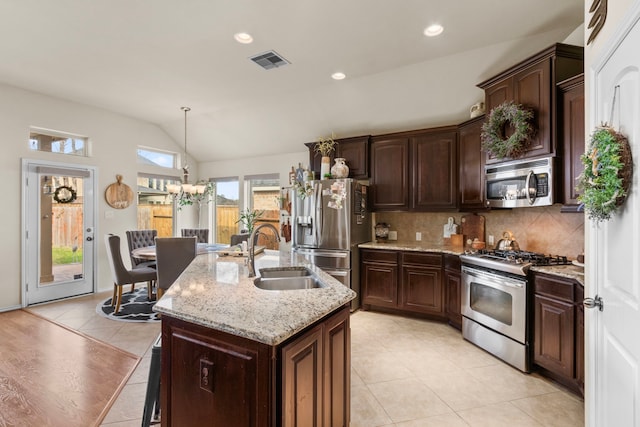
(340, 168)
(325, 167)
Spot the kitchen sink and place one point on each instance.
(280, 272)
(287, 283)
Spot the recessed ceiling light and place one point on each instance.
(338, 76)
(433, 30)
(243, 38)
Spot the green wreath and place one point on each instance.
(493, 138)
(64, 194)
(605, 180)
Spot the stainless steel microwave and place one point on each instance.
(520, 183)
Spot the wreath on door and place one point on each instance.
(608, 168)
(493, 136)
(64, 194)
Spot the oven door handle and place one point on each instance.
(490, 276)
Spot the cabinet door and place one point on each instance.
(379, 284)
(356, 153)
(337, 371)
(208, 380)
(389, 174)
(554, 347)
(572, 137)
(302, 394)
(532, 89)
(434, 171)
(471, 165)
(421, 289)
(453, 289)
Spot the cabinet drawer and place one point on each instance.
(421, 258)
(389, 257)
(452, 262)
(560, 288)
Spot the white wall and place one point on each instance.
(113, 138)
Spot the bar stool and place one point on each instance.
(152, 399)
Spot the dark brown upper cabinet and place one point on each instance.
(355, 150)
(532, 83)
(471, 165)
(571, 138)
(415, 171)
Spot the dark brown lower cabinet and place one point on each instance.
(405, 282)
(559, 329)
(211, 378)
(453, 290)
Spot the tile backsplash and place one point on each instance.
(543, 229)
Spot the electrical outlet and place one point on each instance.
(393, 235)
(490, 239)
(418, 236)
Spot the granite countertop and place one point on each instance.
(569, 271)
(217, 293)
(393, 245)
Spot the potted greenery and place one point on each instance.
(324, 147)
(249, 218)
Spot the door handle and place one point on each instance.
(89, 239)
(594, 302)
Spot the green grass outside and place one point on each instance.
(64, 255)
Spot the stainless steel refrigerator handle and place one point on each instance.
(318, 208)
(326, 254)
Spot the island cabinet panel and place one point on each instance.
(302, 380)
(213, 376)
(379, 278)
(532, 83)
(434, 171)
(337, 371)
(390, 174)
(471, 165)
(559, 329)
(453, 290)
(421, 286)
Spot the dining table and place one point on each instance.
(149, 252)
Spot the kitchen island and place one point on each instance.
(237, 355)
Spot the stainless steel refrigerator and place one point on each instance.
(328, 224)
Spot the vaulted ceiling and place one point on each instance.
(147, 58)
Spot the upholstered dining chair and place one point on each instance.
(201, 233)
(140, 239)
(173, 255)
(236, 239)
(121, 276)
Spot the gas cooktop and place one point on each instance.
(515, 262)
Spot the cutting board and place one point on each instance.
(472, 226)
(118, 195)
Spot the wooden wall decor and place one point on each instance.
(118, 195)
(599, 10)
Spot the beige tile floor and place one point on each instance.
(405, 373)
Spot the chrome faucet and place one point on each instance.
(252, 238)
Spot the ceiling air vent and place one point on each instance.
(269, 60)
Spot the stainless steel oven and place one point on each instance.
(494, 309)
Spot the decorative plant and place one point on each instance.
(325, 146)
(249, 217)
(608, 168)
(493, 138)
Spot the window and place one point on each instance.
(58, 142)
(263, 194)
(152, 156)
(155, 205)
(227, 208)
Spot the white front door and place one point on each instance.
(58, 217)
(613, 256)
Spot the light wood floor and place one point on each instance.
(53, 376)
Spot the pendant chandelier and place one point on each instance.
(185, 193)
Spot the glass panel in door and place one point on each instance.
(227, 210)
(59, 236)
